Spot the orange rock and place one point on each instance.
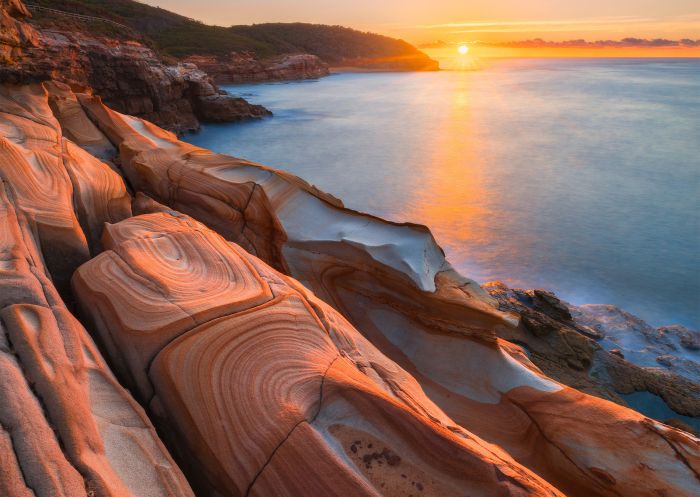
(265, 382)
(67, 428)
(392, 282)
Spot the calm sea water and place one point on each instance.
(580, 176)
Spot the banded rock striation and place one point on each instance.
(392, 282)
(258, 381)
(272, 334)
(67, 427)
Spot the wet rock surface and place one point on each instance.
(605, 351)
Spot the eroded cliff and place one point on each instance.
(128, 75)
(242, 67)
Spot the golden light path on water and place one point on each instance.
(540, 173)
(454, 191)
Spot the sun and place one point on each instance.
(463, 49)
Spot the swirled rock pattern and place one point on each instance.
(378, 364)
(75, 125)
(67, 427)
(392, 282)
(49, 174)
(258, 382)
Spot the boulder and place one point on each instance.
(256, 381)
(67, 427)
(393, 284)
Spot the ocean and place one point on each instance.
(581, 176)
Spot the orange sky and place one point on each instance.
(486, 21)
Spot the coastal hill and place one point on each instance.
(180, 37)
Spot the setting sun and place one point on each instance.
(463, 49)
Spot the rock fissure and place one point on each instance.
(649, 424)
(313, 418)
(20, 466)
(44, 410)
(566, 456)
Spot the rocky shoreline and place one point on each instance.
(604, 351)
(128, 76)
(246, 68)
(175, 322)
(205, 253)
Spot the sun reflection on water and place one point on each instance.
(453, 198)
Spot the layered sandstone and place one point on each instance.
(257, 380)
(67, 427)
(394, 285)
(282, 343)
(242, 67)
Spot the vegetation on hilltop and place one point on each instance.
(175, 35)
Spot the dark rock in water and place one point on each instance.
(213, 105)
(603, 350)
(674, 347)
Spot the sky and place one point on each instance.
(462, 21)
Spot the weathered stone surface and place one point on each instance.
(75, 125)
(15, 35)
(257, 380)
(253, 379)
(127, 75)
(49, 175)
(603, 350)
(31, 460)
(393, 284)
(67, 428)
(242, 67)
(676, 348)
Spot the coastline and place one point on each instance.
(342, 111)
(176, 322)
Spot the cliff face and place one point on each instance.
(181, 37)
(127, 75)
(15, 35)
(245, 67)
